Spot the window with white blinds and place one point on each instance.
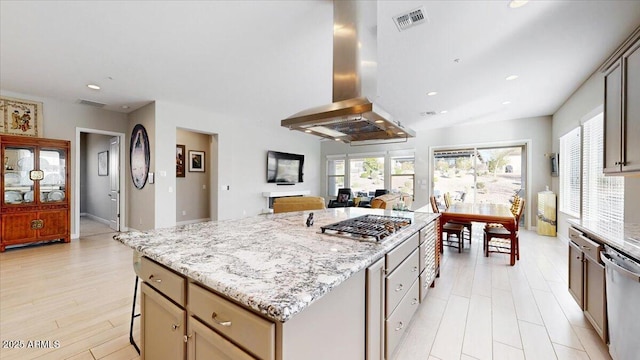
(602, 196)
(570, 173)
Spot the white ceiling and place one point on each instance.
(193, 53)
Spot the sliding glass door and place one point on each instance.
(479, 174)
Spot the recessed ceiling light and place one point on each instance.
(307, 131)
(125, 107)
(379, 121)
(514, 4)
(443, 112)
(400, 133)
(336, 139)
(93, 86)
(511, 77)
(506, 102)
(431, 93)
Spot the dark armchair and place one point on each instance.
(344, 199)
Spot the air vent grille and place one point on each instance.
(410, 19)
(91, 103)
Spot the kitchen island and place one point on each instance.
(309, 294)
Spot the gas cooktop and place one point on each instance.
(367, 227)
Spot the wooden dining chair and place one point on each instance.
(497, 238)
(451, 229)
(467, 224)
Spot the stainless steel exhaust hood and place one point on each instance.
(352, 117)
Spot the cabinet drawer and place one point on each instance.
(425, 283)
(250, 331)
(205, 343)
(397, 255)
(398, 322)
(590, 248)
(422, 252)
(427, 232)
(399, 281)
(164, 280)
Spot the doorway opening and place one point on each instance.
(98, 183)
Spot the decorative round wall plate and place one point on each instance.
(140, 156)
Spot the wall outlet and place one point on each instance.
(170, 189)
(204, 187)
(140, 221)
(184, 212)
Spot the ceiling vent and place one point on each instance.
(91, 103)
(410, 19)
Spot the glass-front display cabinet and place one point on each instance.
(35, 185)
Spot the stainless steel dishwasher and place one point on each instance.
(623, 297)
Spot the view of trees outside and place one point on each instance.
(403, 175)
(490, 175)
(366, 175)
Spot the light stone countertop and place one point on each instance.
(273, 264)
(622, 237)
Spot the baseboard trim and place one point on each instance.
(97, 218)
(187, 222)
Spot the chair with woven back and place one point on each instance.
(467, 224)
(498, 239)
(451, 229)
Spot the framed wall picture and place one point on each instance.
(103, 163)
(196, 161)
(20, 117)
(180, 153)
(140, 158)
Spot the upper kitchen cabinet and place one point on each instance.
(622, 113)
(34, 182)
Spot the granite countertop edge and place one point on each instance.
(622, 237)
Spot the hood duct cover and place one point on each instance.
(353, 116)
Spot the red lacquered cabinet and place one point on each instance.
(36, 194)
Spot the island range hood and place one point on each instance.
(353, 117)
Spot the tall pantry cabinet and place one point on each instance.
(36, 194)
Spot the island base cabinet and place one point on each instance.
(375, 310)
(162, 327)
(330, 328)
(206, 344)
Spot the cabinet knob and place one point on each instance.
(220, 322)
(399, 288)
(400, 326)
(175, 327)
(187, 337)
(415, 268)
(151, 278)
(415, 301)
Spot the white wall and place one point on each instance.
(537, 130)
(583, 104)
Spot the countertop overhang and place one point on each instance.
(622, 237)
(273, 264)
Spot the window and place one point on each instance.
(366, 175)
(602, 196)
(335, 176)
(403, 175)
(570, 173)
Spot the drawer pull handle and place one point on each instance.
(187, 337)
(415, 301)
(223, 323)
(37, 224)
(174, 327)
(415, 268)
(586, 248)
(400, 326)
(399, 288)
(151, 278)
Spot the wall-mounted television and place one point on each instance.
(284, 168)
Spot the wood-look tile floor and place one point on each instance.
(80, 295)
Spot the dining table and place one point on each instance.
(486, 213)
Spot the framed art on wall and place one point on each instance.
(103, 163)
(196, 161)
(20, 117)
(180, 152)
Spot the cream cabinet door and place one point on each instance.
(162, 327)
(206, 344)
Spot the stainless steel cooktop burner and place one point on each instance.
(367, 227)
